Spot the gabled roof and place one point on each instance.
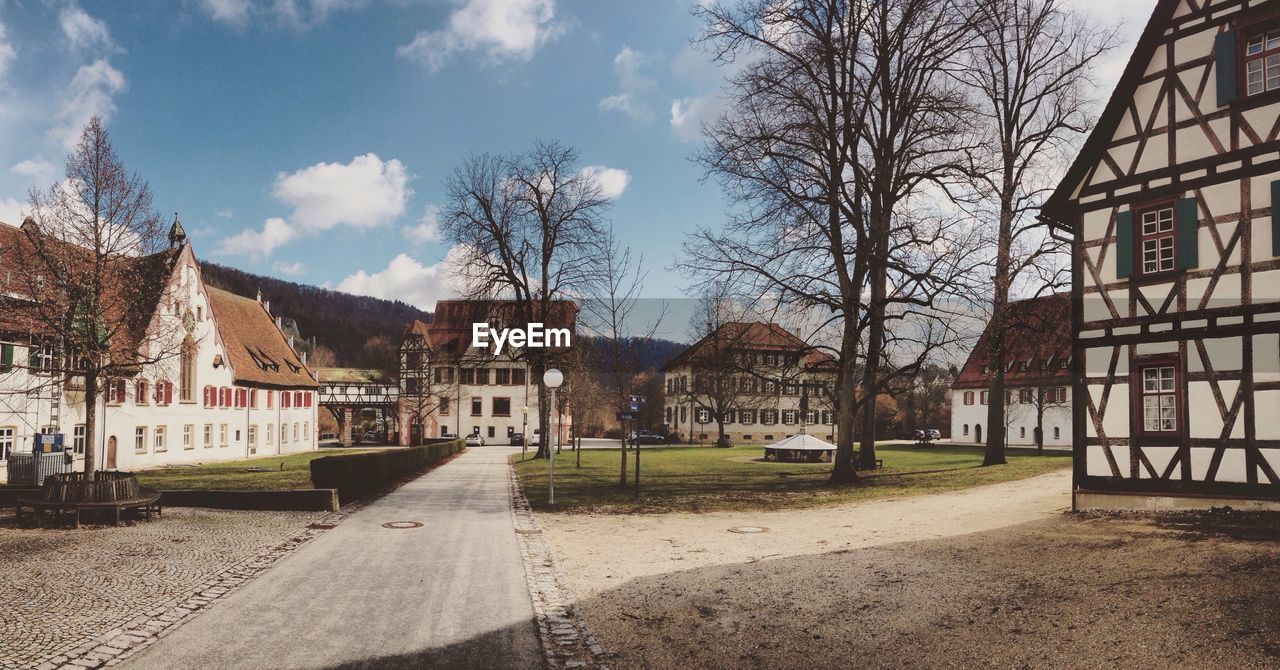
(449, 332)
(1055, 207)
(1039, 333)
(351, 376)
(257, 350)
(749, 336)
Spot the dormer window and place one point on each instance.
(1022, 366)
(1262, 62)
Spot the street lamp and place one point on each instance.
(552, 379)
(524, 431)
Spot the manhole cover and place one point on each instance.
(322, 526)
(401, 524)
(747, 530)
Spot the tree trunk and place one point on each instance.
(875, 339)
(844, 471)
(544, 410)
(90, 420)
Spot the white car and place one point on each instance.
(475, 441)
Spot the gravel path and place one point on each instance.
(600, 552)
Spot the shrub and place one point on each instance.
(359, 475)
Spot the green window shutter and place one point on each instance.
(1124, 244)
(6, 357)
(1275, 218)
(1186, 228)
(1224, 56)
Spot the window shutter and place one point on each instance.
(168, 393)
(1224, 56)
(1275, 220)
(1124, 244)
(1186, 226)
(6, 351)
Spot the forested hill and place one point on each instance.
(350, 330)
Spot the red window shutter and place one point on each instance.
(287, 400)
(168, 393)
(253, 398)
(270, 395)
(297, 398)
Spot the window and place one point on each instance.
(253, 438)
(295, 432)
(465, 376)
(40, 357)
(482, 376)
(968, 397)
(1022, 432)
(7, 434)
(253, 398)
(1022, 366)
(1262, 62)
(140, 391)
(6, 357)
(208, 435)
(517, 377)
(1060, 394)
(164, 393)
(789, 416)
(189, 436)
(1157, 235)
(477, 407)
(78, 439)
(1159, 399)
(748, 416)
(116, 392)
(444, 405)
(984, 398)
(306, 430)
(1024, 396)
(827, 417)
(703, 416)
(161, 439)
(271, 432)
(811, 416)
(1057, 432)
(187, 371)
(284, 434)
(502, 376)
(502, 406)
(966, 429)
(667, 416)
(222, 435)
(140, 440)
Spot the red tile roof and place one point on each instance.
(259, 353)
(751, 335)
(1039, 335)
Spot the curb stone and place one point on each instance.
(567, 641)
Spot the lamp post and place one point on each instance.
(552, 379)
(524, 431)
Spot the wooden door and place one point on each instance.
(111, 452)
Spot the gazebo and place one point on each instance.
(802, 448)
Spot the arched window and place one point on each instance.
(966, 429)
(187, 371)
(1057, 433)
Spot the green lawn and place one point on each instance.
(704, 478)
(295, 473)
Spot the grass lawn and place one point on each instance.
(295, 474)
(696, 479)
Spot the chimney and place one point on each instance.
(267, 306)
(279, 324)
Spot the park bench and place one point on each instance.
(71, 494)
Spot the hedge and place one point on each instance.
(359, 475)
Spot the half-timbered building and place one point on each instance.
(1173, 209)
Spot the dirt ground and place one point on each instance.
(1057, 591)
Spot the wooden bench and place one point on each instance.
(148, 503)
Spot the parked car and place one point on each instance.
(475, 440)
(517, 439)
(645, 437)
(935, 434)
(372, 435)
(926, 435)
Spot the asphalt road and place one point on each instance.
(451, 594)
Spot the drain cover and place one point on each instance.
(747, 530)
(399, 525)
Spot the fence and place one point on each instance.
(31, 469)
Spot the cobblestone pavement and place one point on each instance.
(567, 641)
(88, 598)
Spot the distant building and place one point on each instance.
(346, 392)
(1037, 377)
(759, 379)
(234, 388)
(448, 387)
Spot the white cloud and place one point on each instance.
(405, 279)
(90, 92)
(234, 13)
(11, 211)
(612, 181)
(7, 54)
(636, 90)
(500, 29)
(223, 213)
(258, 243)
(289, 269)
(689, 114)
(84, 32)
(427, 229)
(38, 170)
(365, 193)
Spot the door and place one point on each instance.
(111, 452)
(977, 433)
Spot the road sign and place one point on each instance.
(623, 416)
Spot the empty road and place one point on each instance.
(450, 594)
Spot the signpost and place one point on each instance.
(633, 407)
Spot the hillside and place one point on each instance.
(339, 328)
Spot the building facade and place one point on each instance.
(1173, 208)
(1037, 378)
(757, 379)
(233, 387)
(449, 388)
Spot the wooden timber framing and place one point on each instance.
(1173, 208)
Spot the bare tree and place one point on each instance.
(528, 227)
(91, 274)
(1029, 73)
(610, 315)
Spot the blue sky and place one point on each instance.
(308, 139)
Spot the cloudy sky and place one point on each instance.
(308, 139)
